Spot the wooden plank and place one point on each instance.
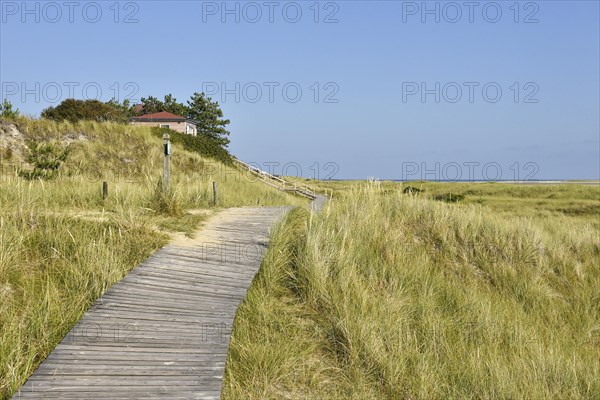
(164, 330)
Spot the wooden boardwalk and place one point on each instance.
(163, 331)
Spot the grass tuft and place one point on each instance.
(166, 202)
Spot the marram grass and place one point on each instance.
(399, 297)
(52, 268)
(62, 245)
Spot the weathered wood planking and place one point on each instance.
(318, 203)
(163, 331)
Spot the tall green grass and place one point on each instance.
(391, 296)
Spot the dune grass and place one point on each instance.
(381, 296)
(52, 268)
(391, 296)
(62, 245)
(130, 159)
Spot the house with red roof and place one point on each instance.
(165, 119)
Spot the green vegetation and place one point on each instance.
(509, 199)
(62, 245)
(411, 190)
(449, 197)
(207, 114)
(151, 105)
(46, 158)
(202, 144)
(91, 110)
(386, 295)
(208, 117)
(52, 268)
(6, 110)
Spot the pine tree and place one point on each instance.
(6, 110)
(151, 105)
(171, 105)
(208, 117)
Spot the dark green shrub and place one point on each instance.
(46, 159)
(202, 144)
(6, 110)
(412, 190)
(94, 110)
(449, 197)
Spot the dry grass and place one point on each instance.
(62, 246)
(392, 296)
(52, 268)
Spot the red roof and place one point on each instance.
(160, 116)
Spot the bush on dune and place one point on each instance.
(200, 144)
(73, 110)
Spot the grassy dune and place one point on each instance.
(383, 295)
(391, 296)
(62, 246)
(130, 159)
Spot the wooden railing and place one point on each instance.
(276, 181)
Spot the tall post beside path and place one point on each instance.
(215, 194)
(166, 165)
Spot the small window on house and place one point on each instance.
(165, 126)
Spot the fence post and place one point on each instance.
(104, 190)
(215, 196)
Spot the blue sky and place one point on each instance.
(346, 89)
